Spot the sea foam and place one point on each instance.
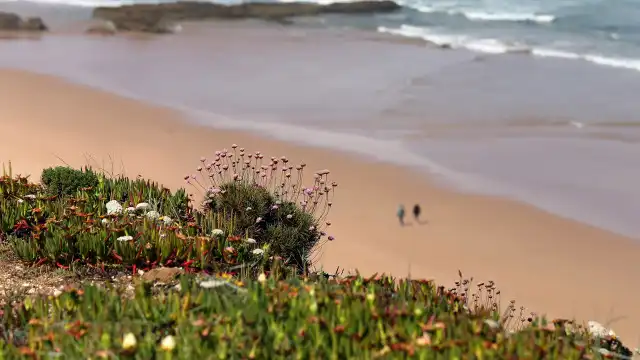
(498, 46)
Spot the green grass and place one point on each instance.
(244, 295)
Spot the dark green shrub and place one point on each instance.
(63, 180)
(290, 232)
(267, 201)
(244, 202)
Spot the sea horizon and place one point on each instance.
(554, 133)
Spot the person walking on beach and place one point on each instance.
(416, 212)
(401, 214)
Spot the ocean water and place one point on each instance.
(603, 32)
(561, 133)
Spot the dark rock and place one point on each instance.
(13, 22)
(147, 17)
(102, 28)
(34, 24)
(166, 27)
(280, 20)
(9, 21)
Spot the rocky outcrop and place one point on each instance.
(163, 274)
(153, 17)
(13, 22)
(102, 27)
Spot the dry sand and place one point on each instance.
(546, 263)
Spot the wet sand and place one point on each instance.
(546, 263)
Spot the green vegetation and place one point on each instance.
(248, 290)
(63, 180)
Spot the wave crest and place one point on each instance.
(479, 15)
(521, 17)
(496, 46)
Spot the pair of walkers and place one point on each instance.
(416, 213)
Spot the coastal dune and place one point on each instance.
(546, 263)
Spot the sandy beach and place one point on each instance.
(546, 263)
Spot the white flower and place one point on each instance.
(125, 238)
(492, 324)
(209, 284)
(142, 206)
(113, 207)
(258, 252)
(168, 343)
(604, 351)
(130, 209)
(20, 201)
(251, 241)
(30, 197)
(129, 341)
(289, 216)
(152, 215)
(105, 221)
(167, 220)
(262, 278)
(217, 232)
(598, 330)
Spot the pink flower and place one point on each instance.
(331, 238)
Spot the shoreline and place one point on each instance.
(546, 263)
(257, 102)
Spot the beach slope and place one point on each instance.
(546, 263)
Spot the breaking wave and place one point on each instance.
(496, 46)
